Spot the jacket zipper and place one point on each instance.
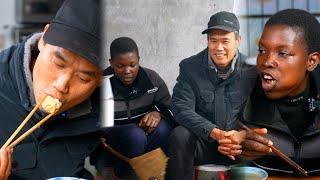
(297, 149)
(128, 110)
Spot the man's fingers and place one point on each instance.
(261, 131)
(231, 157)
(225, 141)
(227, 134)
(235, 152)
(223, 148)
(4, 160)
(232, 146)
(8, 171)
(223, 152)
(227, 153)
(238, 136)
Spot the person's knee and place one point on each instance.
(136, 136)
(127, 135)
(162, 130)
(180, 137)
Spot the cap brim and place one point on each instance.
(74, 40)
(221, 27)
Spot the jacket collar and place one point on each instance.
(260, 110)
(140, 86)
(30, 44)
(20, 66)
(212, 74)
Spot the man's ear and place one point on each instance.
(41, 42)
(111, 62)
(313, 61)
(238, 41)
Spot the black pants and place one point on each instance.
(186, 150)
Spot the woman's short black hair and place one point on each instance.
(123, 45)
(301, 21)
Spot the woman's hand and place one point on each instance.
(255, 145)
(150, 121)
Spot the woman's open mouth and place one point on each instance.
(268, 81)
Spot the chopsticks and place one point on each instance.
(23, 123)
(279, 153)
(24, 135)
(31, 130)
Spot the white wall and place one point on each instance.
(7, 21)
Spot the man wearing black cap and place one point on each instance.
(62, 62)
(207, 98)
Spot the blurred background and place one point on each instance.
(166, 31)
(20, 18)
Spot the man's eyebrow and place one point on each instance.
(61, 56)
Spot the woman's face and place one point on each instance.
(283, 61)
(126, 67)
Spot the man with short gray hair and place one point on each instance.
(207, 98)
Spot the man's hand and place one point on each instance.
(255, 144)
(5, 163)
(150, 121)
(229, 141)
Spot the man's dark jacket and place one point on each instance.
(58, 148)
(262, 112)
(202, 101)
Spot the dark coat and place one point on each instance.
(202, 101)
(263, 112)
(57, 148)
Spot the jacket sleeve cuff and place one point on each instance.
(207, 131)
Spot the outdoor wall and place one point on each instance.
(166, 31)
(7, 21)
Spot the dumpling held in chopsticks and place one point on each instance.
(51, 105)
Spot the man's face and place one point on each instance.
(283, 61)
(222, 46)
(64, 75)
(126, 67)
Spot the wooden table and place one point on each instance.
(293, 178)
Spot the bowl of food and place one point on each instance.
(248, 173)
(65, 178)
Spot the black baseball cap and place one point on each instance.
(77, 28)
(223, 20)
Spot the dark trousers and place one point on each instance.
(186, 150)
(132, 141)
